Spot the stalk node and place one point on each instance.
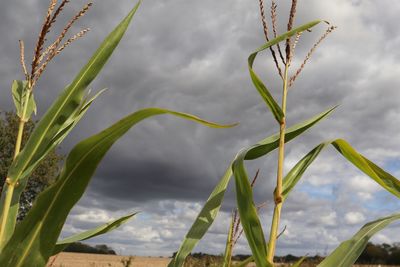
(277, 198)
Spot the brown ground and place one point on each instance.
(66, 259)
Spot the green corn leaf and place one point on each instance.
(60, 117)
(384, 179)
(348, 252)
(261, 88)
(35, 237)
(295, 174)
(24, 179)
(229, 245)
(68, 104)
(102, 229)
(272, 142)
(245, 262)
(211, 208)
(203, 221)
(19, 91)
(248, 212)
(299, 262)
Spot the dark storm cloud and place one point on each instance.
(191, 56)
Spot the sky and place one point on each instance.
(191, 56)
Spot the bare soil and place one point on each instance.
(67, 259)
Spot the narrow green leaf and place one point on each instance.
(210, 209)
(245, 262)
(35, 237)
(299, 262)
(63, 114)
(228, 245)
(19, 91)
(248, 212)
(294, 175)
(203, 221)
(348, 252)
(384, 179)
(272, 142)
(261, 88)
(102, 229)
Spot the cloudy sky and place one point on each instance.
(191, 56)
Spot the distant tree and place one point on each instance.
(79, 247)
(374, 254)
(42, 176)
(394, 257)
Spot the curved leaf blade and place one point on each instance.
(295, 174)
(248, 212)
(65, 109)
(35, 237)
(203, 221)
(102, 229)
(348, 252)
(383, 178)
(261, 88)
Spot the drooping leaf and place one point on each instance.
(60, 117)
(348, 252)
(384, 179)
(102, 229)
(210, 209)
(35, 237)
(19, 92)
(261, 88)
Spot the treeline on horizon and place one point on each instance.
(372, 254)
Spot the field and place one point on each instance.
(65, 259)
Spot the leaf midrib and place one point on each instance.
(36, 232)
(359, 240)
(59, 110)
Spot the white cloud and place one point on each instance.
(329, 219)
(354, 217)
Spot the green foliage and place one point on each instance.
(80, 247)
(62, 244)
(34, 240)
(211, 208)
(42, 176)
(347, 253)
(19, 94)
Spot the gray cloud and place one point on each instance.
(191, 56)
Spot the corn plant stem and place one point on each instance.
(279, 177)
(12, 184)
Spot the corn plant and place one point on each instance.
(32, 241)
(263, 252)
